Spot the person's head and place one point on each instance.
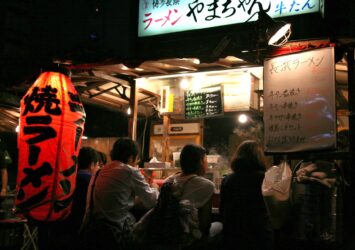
(193, 159)
(125, 150)
(250, 154)
(88, 159)
(102, 159)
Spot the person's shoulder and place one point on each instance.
(176, 178)
(203, 182)
(229, 176)
(228, 179)
(116, 165)
(82, 174)
(116, 168)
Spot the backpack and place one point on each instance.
(171, 223)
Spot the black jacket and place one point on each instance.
(246, 224)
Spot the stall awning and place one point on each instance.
(107, 83)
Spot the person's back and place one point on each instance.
(115, 189)
(245, 220)
(242, 208)
(197, 189)
(87, 166)
(193, 186)
(64, 234)
(108, 222)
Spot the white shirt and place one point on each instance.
(197, 189)
(115, 189)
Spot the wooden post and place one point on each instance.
(351, 94)
(133, 104)
(166, 139)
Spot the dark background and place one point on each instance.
(35, 32)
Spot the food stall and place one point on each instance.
(187, 100)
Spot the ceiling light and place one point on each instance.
(124, 67)
(242, 118)
(277, 32)
(184, 83)
(196, 61)
(234, 59)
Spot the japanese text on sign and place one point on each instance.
(203, 103)
(299, 102)
(166, 16)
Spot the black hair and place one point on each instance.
(249, 154)
(102, 157)
(86, 157)
(123, 149)
(190, 158)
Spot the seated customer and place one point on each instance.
(88, 160)
(193, 186)
(107, 223)
(65, 233)
(246, 225)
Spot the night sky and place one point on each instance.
(34, 32)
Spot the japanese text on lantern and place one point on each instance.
(44, 177)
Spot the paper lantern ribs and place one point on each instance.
(51, 125)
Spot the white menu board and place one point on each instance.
(299, 102)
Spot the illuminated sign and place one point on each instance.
(167, 16)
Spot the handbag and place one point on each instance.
(276, 188)
(103, 234)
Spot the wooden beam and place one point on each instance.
(133, 104)
(147, 92)
(109, 78)
(166, 138)
(183, 64)
(118, 70)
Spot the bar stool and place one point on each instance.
(15, 233)
(30, 237)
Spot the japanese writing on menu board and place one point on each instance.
(299, 102)
(203, 103)
(165, 16)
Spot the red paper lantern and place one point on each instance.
(51, 125)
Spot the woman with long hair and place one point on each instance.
(246, 224)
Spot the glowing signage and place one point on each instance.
(167, 16)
